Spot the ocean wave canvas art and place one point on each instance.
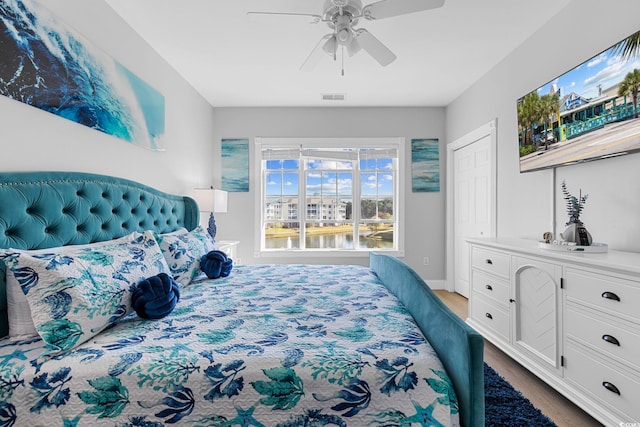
(46, 64)
(235, 165)
(425, 165)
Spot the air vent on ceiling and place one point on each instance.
(333, 96)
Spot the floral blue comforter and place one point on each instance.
(270, 345)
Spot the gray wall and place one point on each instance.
(32, 139)
(425, 212)
(35, 140)
(526, 202)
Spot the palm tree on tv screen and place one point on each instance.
(630, 85)
(549, 108)
(535, 110)
(528, 115)
(629, 48)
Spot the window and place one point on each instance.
(330, 194)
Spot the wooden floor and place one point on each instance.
(559, 409)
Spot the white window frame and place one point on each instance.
(295, 143)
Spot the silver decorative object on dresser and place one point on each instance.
(575, 232)
(570, 318)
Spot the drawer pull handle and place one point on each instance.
(489, 287)
(611, 340)
(489, 315)
(488, 261)
(611, 296)
(612, 388)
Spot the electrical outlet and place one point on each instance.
(425, 260)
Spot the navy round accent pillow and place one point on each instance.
(155, 297)
(216, 264)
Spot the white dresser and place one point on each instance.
(573, 319)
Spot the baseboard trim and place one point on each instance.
(436, 284)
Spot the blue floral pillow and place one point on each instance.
(76, 292)
(183, 249)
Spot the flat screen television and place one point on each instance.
(588, 113)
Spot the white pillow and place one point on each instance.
(18, 311)
(183, 249)
(76, 292)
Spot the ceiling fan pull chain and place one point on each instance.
(342, 61)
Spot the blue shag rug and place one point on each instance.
(506, 406)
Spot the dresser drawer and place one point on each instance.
(615, 295)
(604, 335)
(492, 262)
(491, 286)
(485, 312)
(591, 375)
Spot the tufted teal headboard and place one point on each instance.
(48, 209)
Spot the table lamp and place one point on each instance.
(211, 200)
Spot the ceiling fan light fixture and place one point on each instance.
(344, 37)
(330, 46)
(353, 47)
(342, 16)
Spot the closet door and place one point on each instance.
(472, 181)
(471, 199)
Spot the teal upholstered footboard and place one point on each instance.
(459, 347)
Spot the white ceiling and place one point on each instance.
(234, 59)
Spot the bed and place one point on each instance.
(263, 345)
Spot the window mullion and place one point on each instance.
(377, 218)
(302, 201)
(283, 216)
(355, 204)
(263, 208)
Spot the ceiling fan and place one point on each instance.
(343, 15)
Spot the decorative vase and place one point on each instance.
(577, 233)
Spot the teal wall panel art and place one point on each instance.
(425, 165)
(235, 165)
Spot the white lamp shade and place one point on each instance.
(220, 204)
(211, 200)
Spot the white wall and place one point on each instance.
(425, 212)
(525, 201)
(32, 139)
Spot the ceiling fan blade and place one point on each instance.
(389, 8)
(316, 18)
(317, 53)
(375, 48)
